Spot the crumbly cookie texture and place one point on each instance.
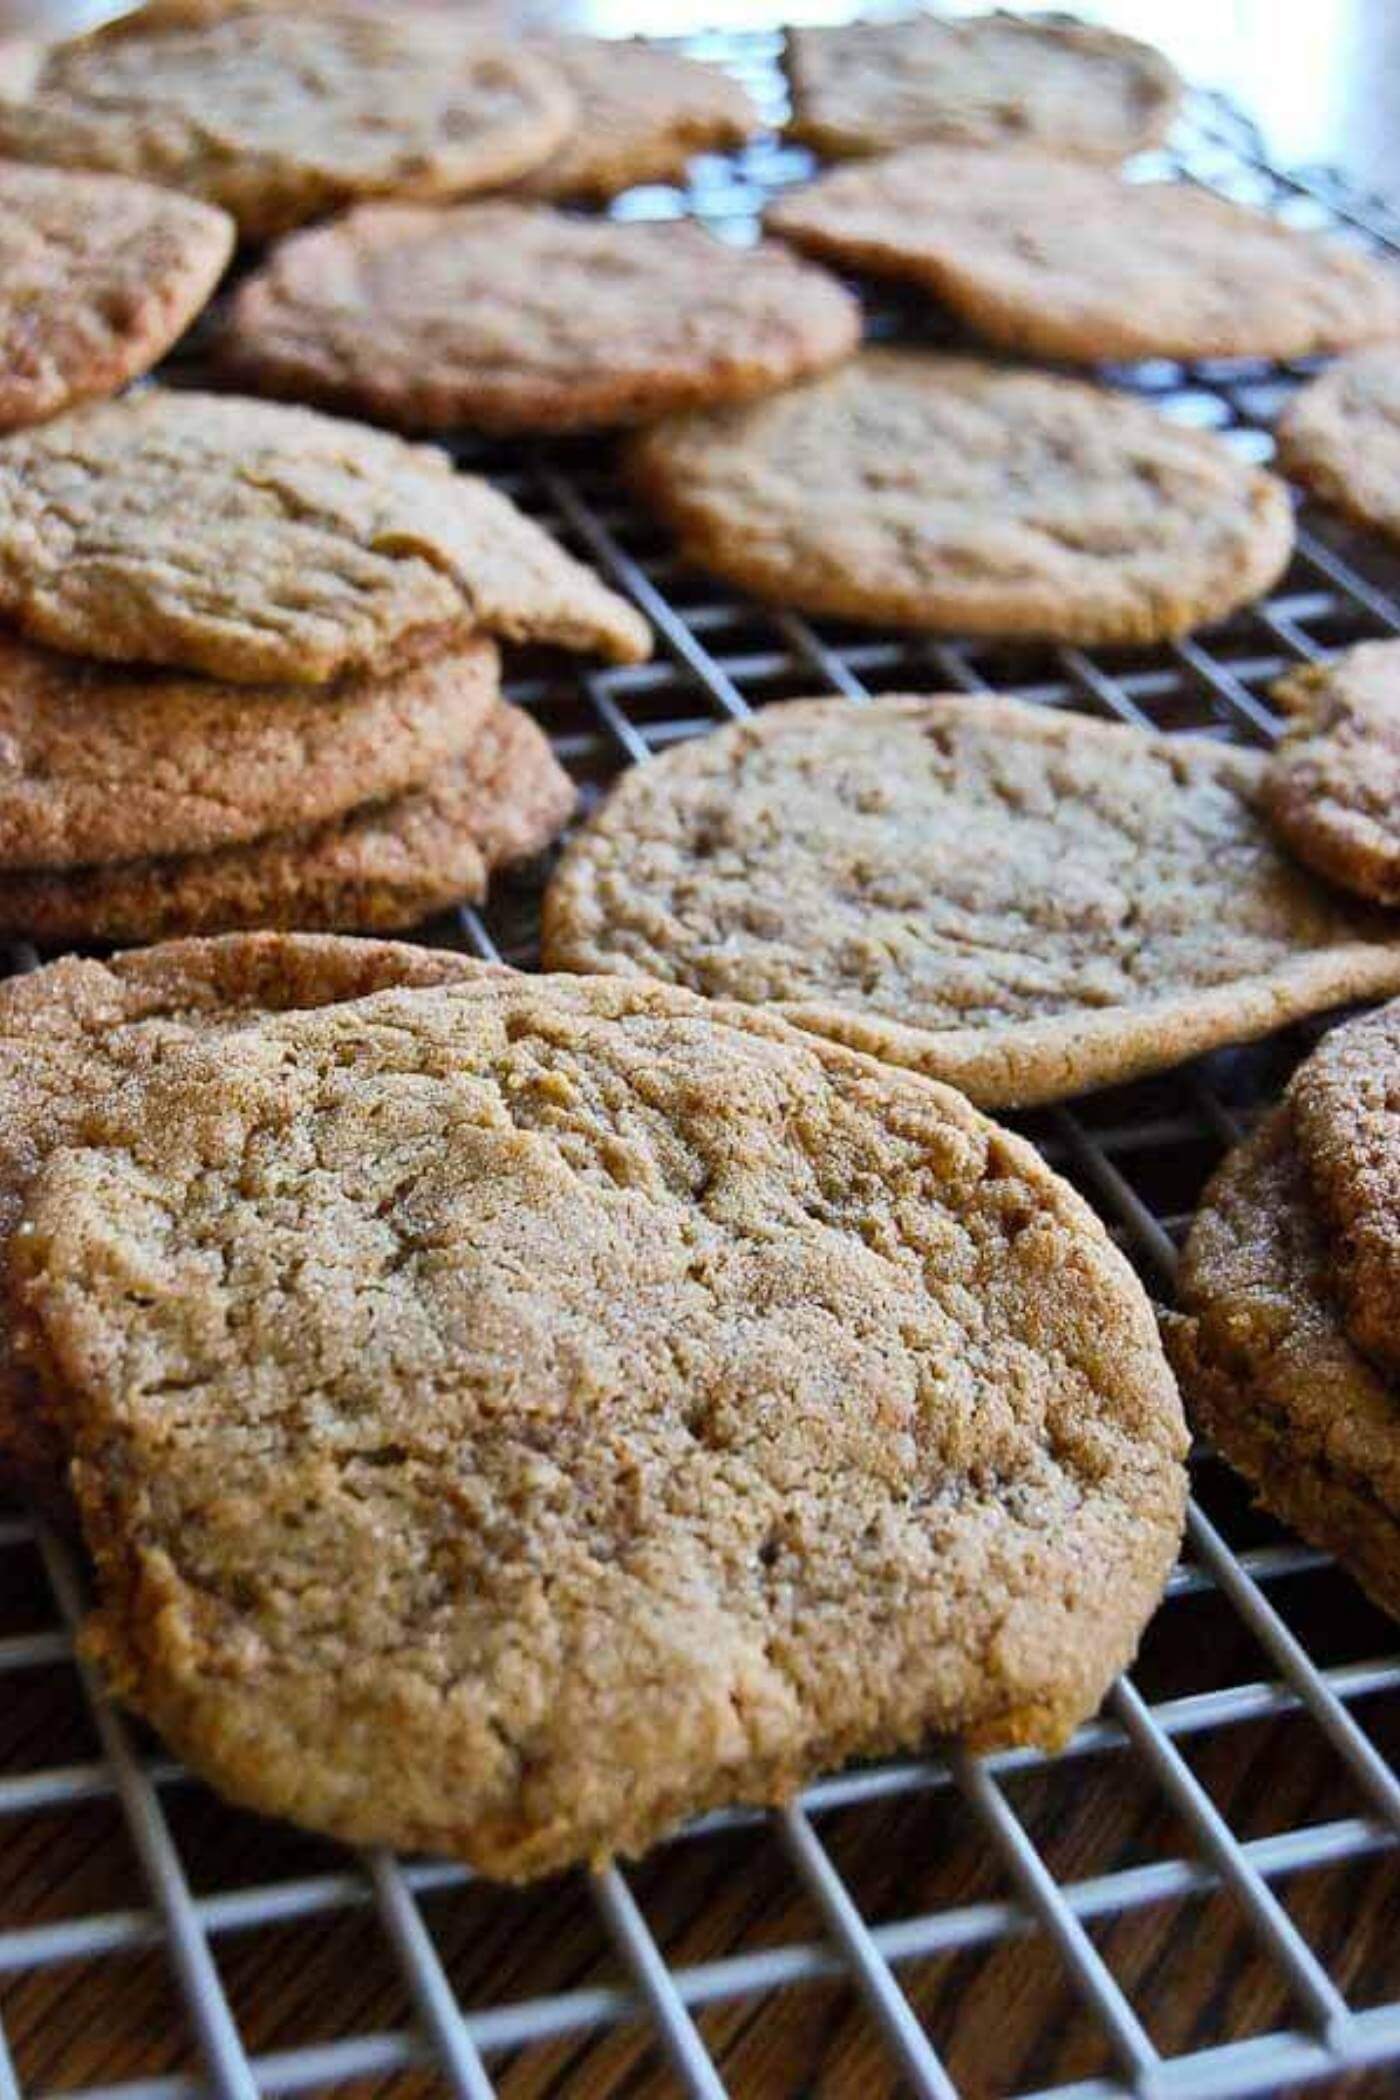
(996, 80)
(72, 1034)
(1055, 259)
(257, 542)
(1267, 1369)
(1345, 1100)
(1333, 786)
(512, 1418)
(1340, 437)
(945, 493)
(1021, 901)
(98, 277)
(105, 764)
(510, 317)
(379, 869)
(282, 115)
(644, 112)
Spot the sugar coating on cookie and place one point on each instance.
(1055, 259)
(1340, 436)
(98, 277)
(380, 868)
(1333, 785)
(866, 87)
(1019, 900)
(256, 542)
(643, 113)
(551, 1408)
(281, 115)
(945, 493)
(510, 317)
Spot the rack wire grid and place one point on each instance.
(1198, 1897)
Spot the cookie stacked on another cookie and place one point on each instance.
(278, 697)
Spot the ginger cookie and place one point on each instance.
(379, 869)
(1055, 259)
(1267, 1369)
(1024, 902)
(1345, 1101)
(514, 317)
(644, 112)
(258, 543)
(72, 1033)
(282, 115)
(103, 764)
(1340, 437)
(1333, 786)
(98, 277)
(943, 493)
(996, 80)
(513, 1417)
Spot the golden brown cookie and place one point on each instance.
(1021, 901)
(1055, 259)
(1340, 437)
(513, 317)
(1333, 785)
(996, 80)
(102, 764)
(379, 869)
(281, 115)
(71, 1034)
(98, 277)
(513, 1417)
(1345, 1101)
(940, 492)
(644, 112)
(1267, 1370)
(259, 543)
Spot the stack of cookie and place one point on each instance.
(252, 678)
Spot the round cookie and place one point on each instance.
(996, 80)
(98, 277)
(1021, 901)
(257, 543)
(283, 115)
(516, 317)
(644, 112)
(101, 764)
(379, 869)
(943, 493)
(514, 1417)
(1267, 1370)
(1053, 259)
(1340, 437)
(1333, 785)
(1345, 1100)
(72, 1033)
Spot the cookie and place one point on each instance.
(72, 1033)
(516, 317)
(283, 115)
(260, 543)
(1345, 1101)
(644, 112)
(1340, 437)
(939, 492)
(1052, 259)
(1024, 902)
(102, 764)
(1333, 786)
(380, 869)
(1267, 1370)
(997, 80)
(511, 1418)
(98, 277)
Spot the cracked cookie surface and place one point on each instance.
(643, 113)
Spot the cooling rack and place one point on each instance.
(1200, 1896)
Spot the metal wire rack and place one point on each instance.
(1198, 1897)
